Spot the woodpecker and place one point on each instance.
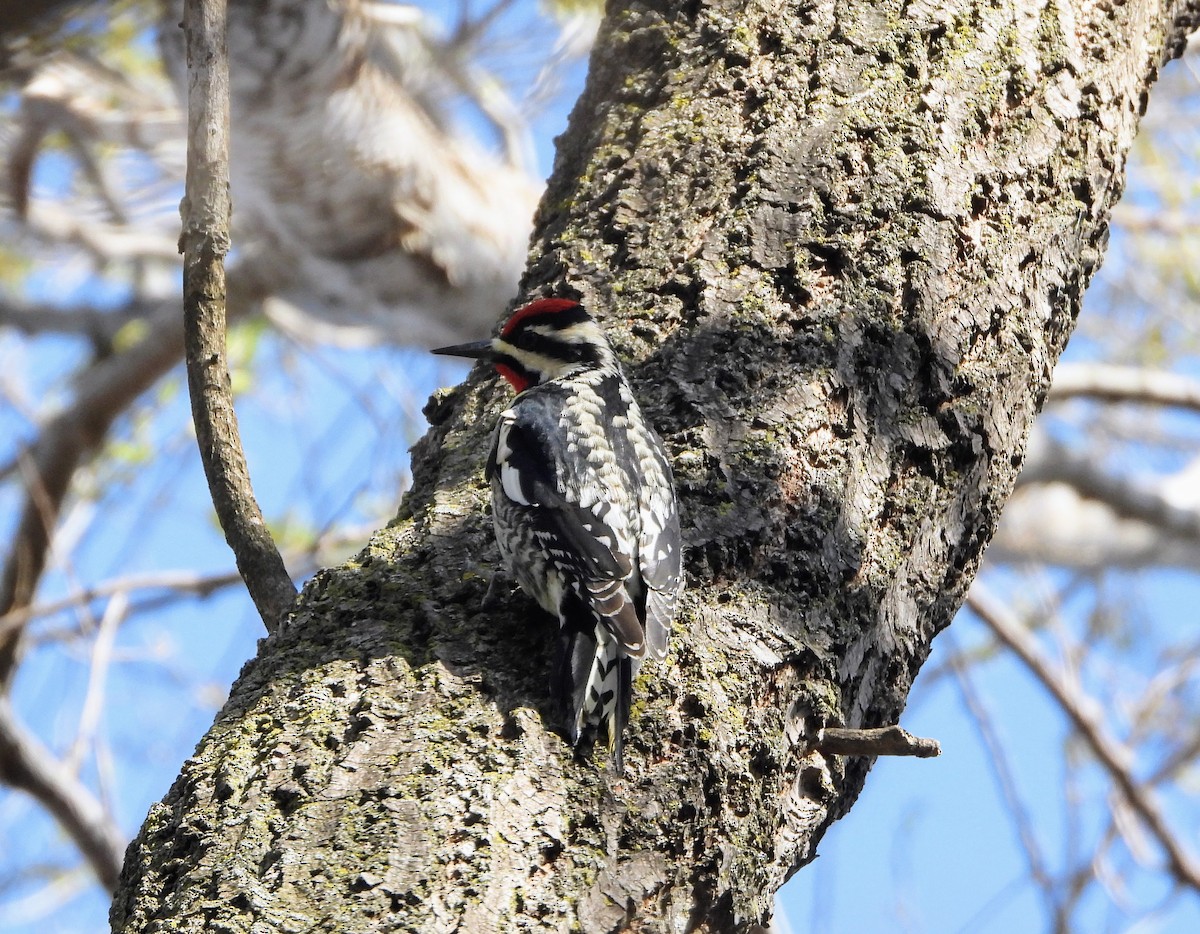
(584, 508)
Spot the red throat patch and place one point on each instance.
(519, 383)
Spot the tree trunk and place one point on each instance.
(841, 247)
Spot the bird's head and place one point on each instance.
(541, 341)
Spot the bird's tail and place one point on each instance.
(592, 681)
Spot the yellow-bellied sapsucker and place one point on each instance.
(584, 508)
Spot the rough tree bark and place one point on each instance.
(841, 246)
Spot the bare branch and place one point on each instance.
(103, 391)
(69, 93)
(305, 560)
(1109, 383)
(105, 242)
(29, 766)
(1050, 462)
(883, 741)
(421, 237)
(205, 241)
(89, 323)
(61, 885)
(1163, 223)
(1182, 757)
(1114, 756)
(1056, 524)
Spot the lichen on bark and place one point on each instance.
(840, 247)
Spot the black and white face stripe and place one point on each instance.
(566, 346)
(550, 347)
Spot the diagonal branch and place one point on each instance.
(1005, 780)
(104, 242)
(102, 393)
(29, 766)
(1113, 755)
(204, 242)
(750, 271)
(90, 323)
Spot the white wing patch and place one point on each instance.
(510, 478)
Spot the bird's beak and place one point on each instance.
(475, 350)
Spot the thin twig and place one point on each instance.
(883, 741)
(93, 702)
(90, 323)
(204, 243)
(59, 888)
(1004, 777)
(1114, 756)
(193, 583)
(1166, 223)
